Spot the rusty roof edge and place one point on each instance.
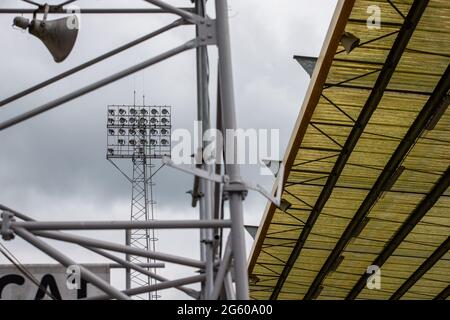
(312, 97)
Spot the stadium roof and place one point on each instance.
(368, 165)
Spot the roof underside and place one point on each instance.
(417, 266)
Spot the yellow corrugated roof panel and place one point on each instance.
(340, 87)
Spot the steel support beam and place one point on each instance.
(137, 267)
(155, 287)
(96, 85)
(419, 212)
(443, 295)
(395, 54)
(90, 63)
(85, 241)
(66, 261)
(424, 267)
(119, 225)
(232, 169)
(55, 10)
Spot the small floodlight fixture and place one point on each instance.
(122, 132)
(349, 41)
(285, 205)
(307, 63)
(111, 132)
(164, 142)
(122, 120)
(122, 111)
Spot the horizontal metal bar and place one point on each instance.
(86, 274)
(112, 225)
(91, 62)
(172, 9)
(142, 265)
(56, 10)
(85, 241)
(96, 85)
(155, 287)
(190, 292)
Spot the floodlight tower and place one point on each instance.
(142, 134)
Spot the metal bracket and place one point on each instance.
(6, 231)
(196, 171)
(207, 34)
(275, 200)
(240, 187)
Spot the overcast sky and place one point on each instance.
(53, 166)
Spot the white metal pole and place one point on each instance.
(233, 170)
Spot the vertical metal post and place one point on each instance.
(203, 115)
(233, 169)
(127, 258)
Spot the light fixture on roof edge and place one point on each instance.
(349, 41)
(307, 63)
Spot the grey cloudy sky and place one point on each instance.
(53, 166)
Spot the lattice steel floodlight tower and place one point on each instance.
(140, 133)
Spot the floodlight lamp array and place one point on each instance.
(138, 131)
